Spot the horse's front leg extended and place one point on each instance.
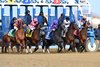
(83, 46)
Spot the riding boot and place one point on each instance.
(30, 31)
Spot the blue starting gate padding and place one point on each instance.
(79, 15)
(72, 17)
(26, 1)
(6, 24)
(76, 1)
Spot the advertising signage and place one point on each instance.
(30, 1)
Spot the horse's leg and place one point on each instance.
(30, 49)
(2, 48)
(21, 45)
(83, 46)
(17, 47)
(26, 49)
(47, 48)
(43, 47)
(12, 45)
(36, 48)
(72, 47)
(64, 46)
(60, 47)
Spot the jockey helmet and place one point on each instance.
(14, 18)
(27, 12)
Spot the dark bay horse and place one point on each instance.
(20, 35)
(34, 40)
(56, 38)
(70, 38)
(83, 36)
(8, 41)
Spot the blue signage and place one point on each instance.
(26, 1)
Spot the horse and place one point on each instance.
(83, 36)
(6, 42)
(69, 37)
(20, 35)
(56, 38)
(34, 39)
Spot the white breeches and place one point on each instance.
(15, 28)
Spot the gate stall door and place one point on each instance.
(0, 24)
(45, 11)
(30, 8)
(14, 11)
(60, 11)
(6, 23)
(37, 11)
(52, 15)
(22, 12)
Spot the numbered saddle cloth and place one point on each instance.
(28, 33)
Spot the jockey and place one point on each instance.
(83, 20)
(12, 30)
(42, 19)
(61, 19)
(65, 25)
(33, 24)
(27, 17)
(18, 23)
(53, 27)
(12, 22)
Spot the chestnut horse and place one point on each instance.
(83, 36)
(70, 38)
(6, 42)
(20, 35)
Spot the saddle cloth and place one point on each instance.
(11, 33)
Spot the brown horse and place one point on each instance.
(69, 38)
(83, 36)
(7, 41)
(20, 35)
(33, 41)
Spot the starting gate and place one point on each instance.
(51, 8)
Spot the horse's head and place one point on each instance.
(73, 26)
(38, 26)
(86, 24)
(20, 23)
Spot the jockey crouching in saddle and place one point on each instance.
(31, 27)
(52, 28)
(15, 24)
(65, 26)
(12, 30)
(18, 24)
(42, 20)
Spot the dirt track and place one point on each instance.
(50, 60)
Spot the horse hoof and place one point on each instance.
(26, 51)
(43, 51)
(31, 51)
(48, 51)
